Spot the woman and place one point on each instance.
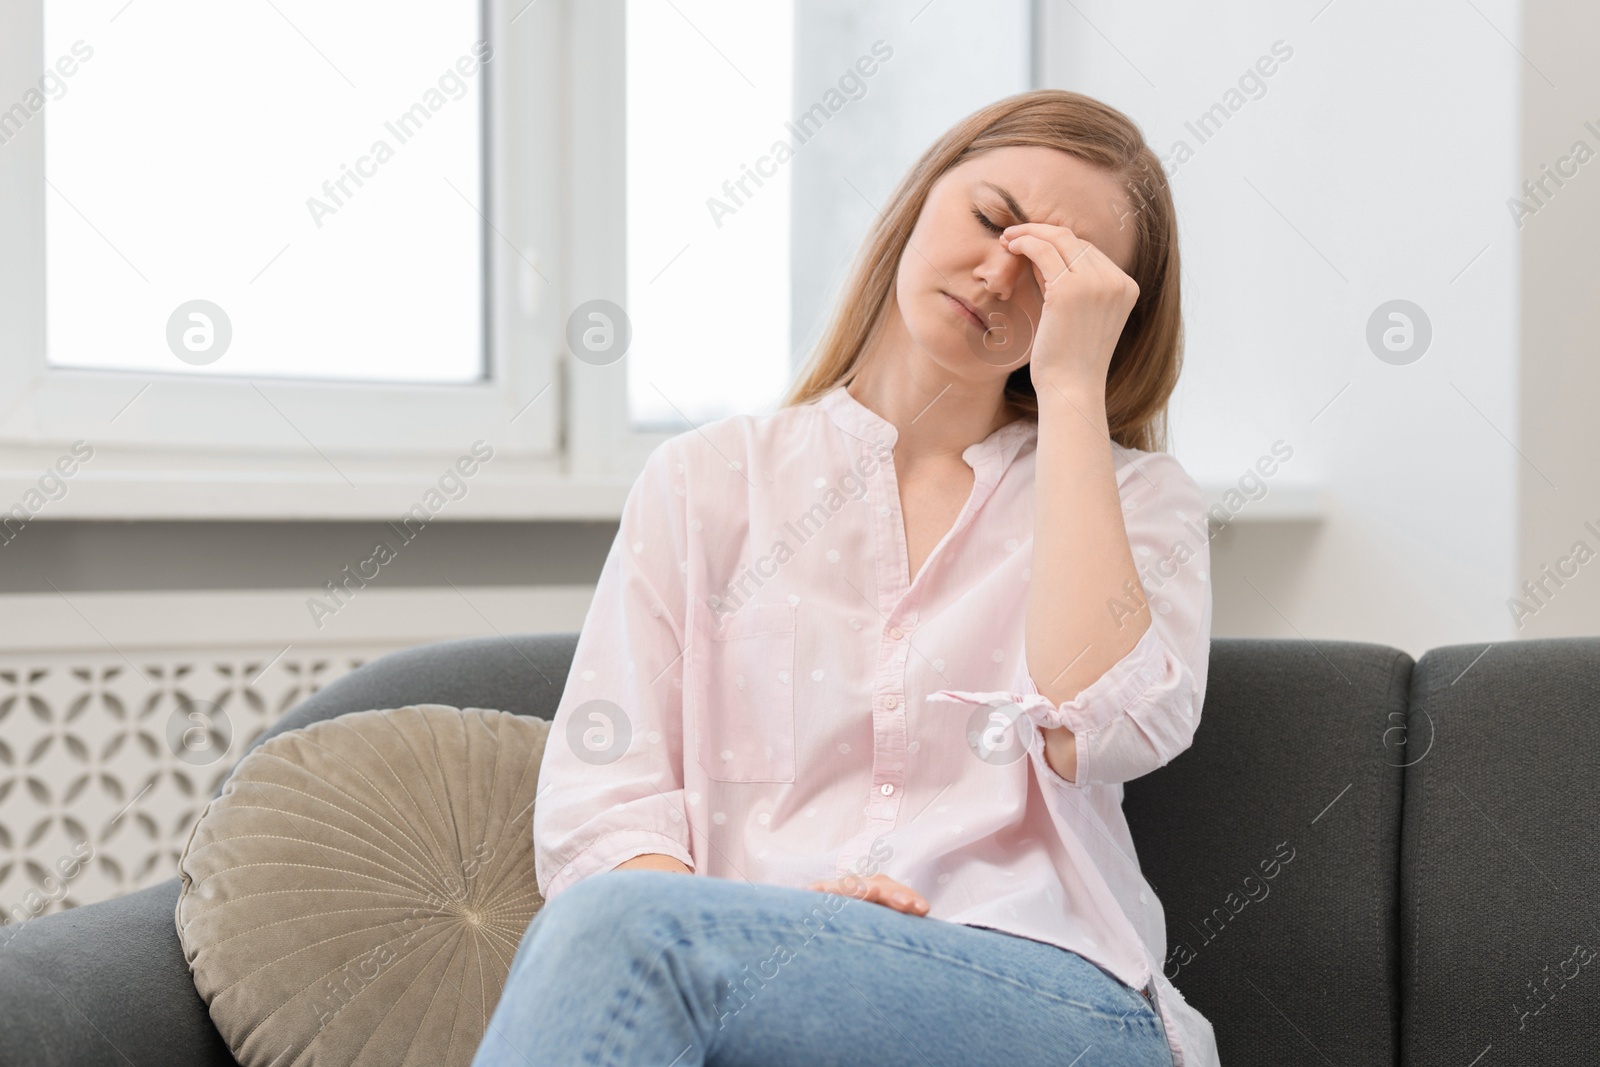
(879, 662)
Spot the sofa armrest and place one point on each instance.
(104, 984)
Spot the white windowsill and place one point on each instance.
(1287, 503)
(285, 496)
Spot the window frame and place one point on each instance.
(601, 438)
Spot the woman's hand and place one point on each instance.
(1087, 299)
(653, 861)
(879, 889)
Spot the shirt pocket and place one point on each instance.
(745, 691)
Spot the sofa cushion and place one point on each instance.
(1499, 930)
(356, 892)
(1273, 845)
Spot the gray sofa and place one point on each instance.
(1364, 860)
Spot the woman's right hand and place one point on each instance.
(879, 889)
(654, 861)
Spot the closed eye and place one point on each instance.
(992, 227)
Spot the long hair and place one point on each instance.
(1149, 355)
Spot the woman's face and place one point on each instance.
(955, 257)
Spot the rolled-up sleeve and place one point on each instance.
(611, 781)
(1144, 710)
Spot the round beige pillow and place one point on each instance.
(357, 891)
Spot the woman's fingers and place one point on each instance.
(908, 903)
(879, 889)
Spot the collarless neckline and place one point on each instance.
(856, 418)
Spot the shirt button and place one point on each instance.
(886, 789)
(890, 701)
(895, 633)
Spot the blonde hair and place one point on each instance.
(1149, 355)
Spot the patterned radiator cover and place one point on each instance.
(106, 762)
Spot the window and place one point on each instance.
(761, 141)
(145, 166)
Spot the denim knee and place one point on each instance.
(614, 901)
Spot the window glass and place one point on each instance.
(278, 189)
(709, 85)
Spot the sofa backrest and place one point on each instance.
(1273, 845)
(1500, 856)
(524, 674)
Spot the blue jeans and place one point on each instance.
(657, 969)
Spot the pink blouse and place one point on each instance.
(761, 691)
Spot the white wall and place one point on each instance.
(1374, 165)
(1561, 318)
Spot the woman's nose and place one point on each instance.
(1002, 273)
